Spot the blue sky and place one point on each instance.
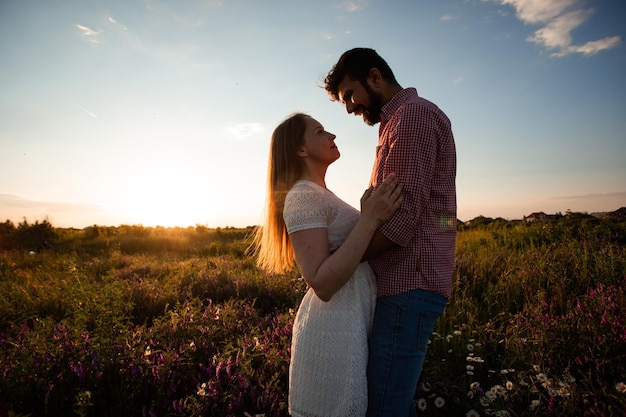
(160, 112)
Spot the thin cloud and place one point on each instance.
(539, 11)
(446, 17)
(245, 130)
(13, 202)
(89, 34)
(352, 6)
(559, 18)
(596, 196)
(90, 113)
(591, 48)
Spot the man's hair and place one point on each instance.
(356, 65)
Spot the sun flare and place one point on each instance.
(165, 197)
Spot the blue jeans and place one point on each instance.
(402, 326)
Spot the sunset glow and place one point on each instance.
(160, 113)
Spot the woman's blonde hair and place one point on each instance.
(271, 242)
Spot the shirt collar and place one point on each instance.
(396, 101)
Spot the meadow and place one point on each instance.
(138, 321)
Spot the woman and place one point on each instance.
(308, 225)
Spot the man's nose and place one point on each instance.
(350, 107)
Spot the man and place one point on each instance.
(413, 252)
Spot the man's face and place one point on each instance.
(360, 99)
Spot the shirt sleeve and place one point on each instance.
(305, 208)
(411, 155)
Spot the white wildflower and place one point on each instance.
(439, 402)
(421, 404)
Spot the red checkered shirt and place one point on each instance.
(416, 143)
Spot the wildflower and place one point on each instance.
(192, 344)
(470, 394)
(439, 402)
(484, 401)
(509, 385)
(491, 395)
(542, 377)
(470, 347)
(425, 386)
(475, 385)
(229, 365)
(202, 390)
(569, 378)
(421, 404)
(620, 387)
(497, 389)
(472, 413)
(148, 351)
(534, 404)
(218, 369)
(457, 332)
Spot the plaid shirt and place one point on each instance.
(416, 143)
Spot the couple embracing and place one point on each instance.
(380, 278)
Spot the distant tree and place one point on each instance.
(35, 237)
(480, 221)
(7, 227)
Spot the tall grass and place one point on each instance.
(535, 325)
(179, 322)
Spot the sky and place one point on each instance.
(160, 112)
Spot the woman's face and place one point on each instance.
(319, 144)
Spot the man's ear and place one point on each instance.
(375, 78)
(302, 152)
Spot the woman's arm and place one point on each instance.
(327, 273)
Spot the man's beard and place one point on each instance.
(371, 114)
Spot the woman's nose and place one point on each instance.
(349, 107)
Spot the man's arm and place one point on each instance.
(379, 244)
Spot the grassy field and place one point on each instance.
(136, 321)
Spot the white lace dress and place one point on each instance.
(327, 374)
